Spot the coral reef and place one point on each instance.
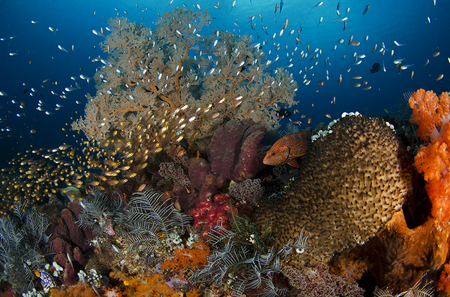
(249, 191)
(350, 183)
(233, 265)
(318, 282)
(432, 114)
(443, 284)
(210, 211)
(152, 285)
(162, 86)
(188, 258)
(168, 171)
(240, 156)
(398, 246)
(98, 213)
(73, 291)
(398, 257)
(22, 247)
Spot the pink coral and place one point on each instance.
(208, 213)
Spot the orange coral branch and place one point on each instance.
(429, 112)
(177, 75)
(164, 98)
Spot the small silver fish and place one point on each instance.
(318, 4)
(366, 10)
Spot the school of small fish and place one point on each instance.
(286, 43)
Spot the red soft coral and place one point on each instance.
(430, 112)
(208, 213)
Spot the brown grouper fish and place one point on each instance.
(288, 148)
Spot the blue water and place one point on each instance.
(36, 56)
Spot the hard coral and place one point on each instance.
(350, 183)
(211, 211)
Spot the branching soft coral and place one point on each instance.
(430, 113)
(194, 257)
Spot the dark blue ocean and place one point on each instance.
(31, 32)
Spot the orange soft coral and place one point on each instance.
(434, 162)
(193, 257)
(152, 285)
(430, 112)
(73, 291)
(443, 284)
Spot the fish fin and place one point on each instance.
(293, 163)
(299, 155)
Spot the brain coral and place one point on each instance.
(349, 184)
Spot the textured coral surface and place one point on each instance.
(349, 184)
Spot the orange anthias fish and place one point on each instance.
(288, 148)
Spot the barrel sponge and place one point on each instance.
(350, 183)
